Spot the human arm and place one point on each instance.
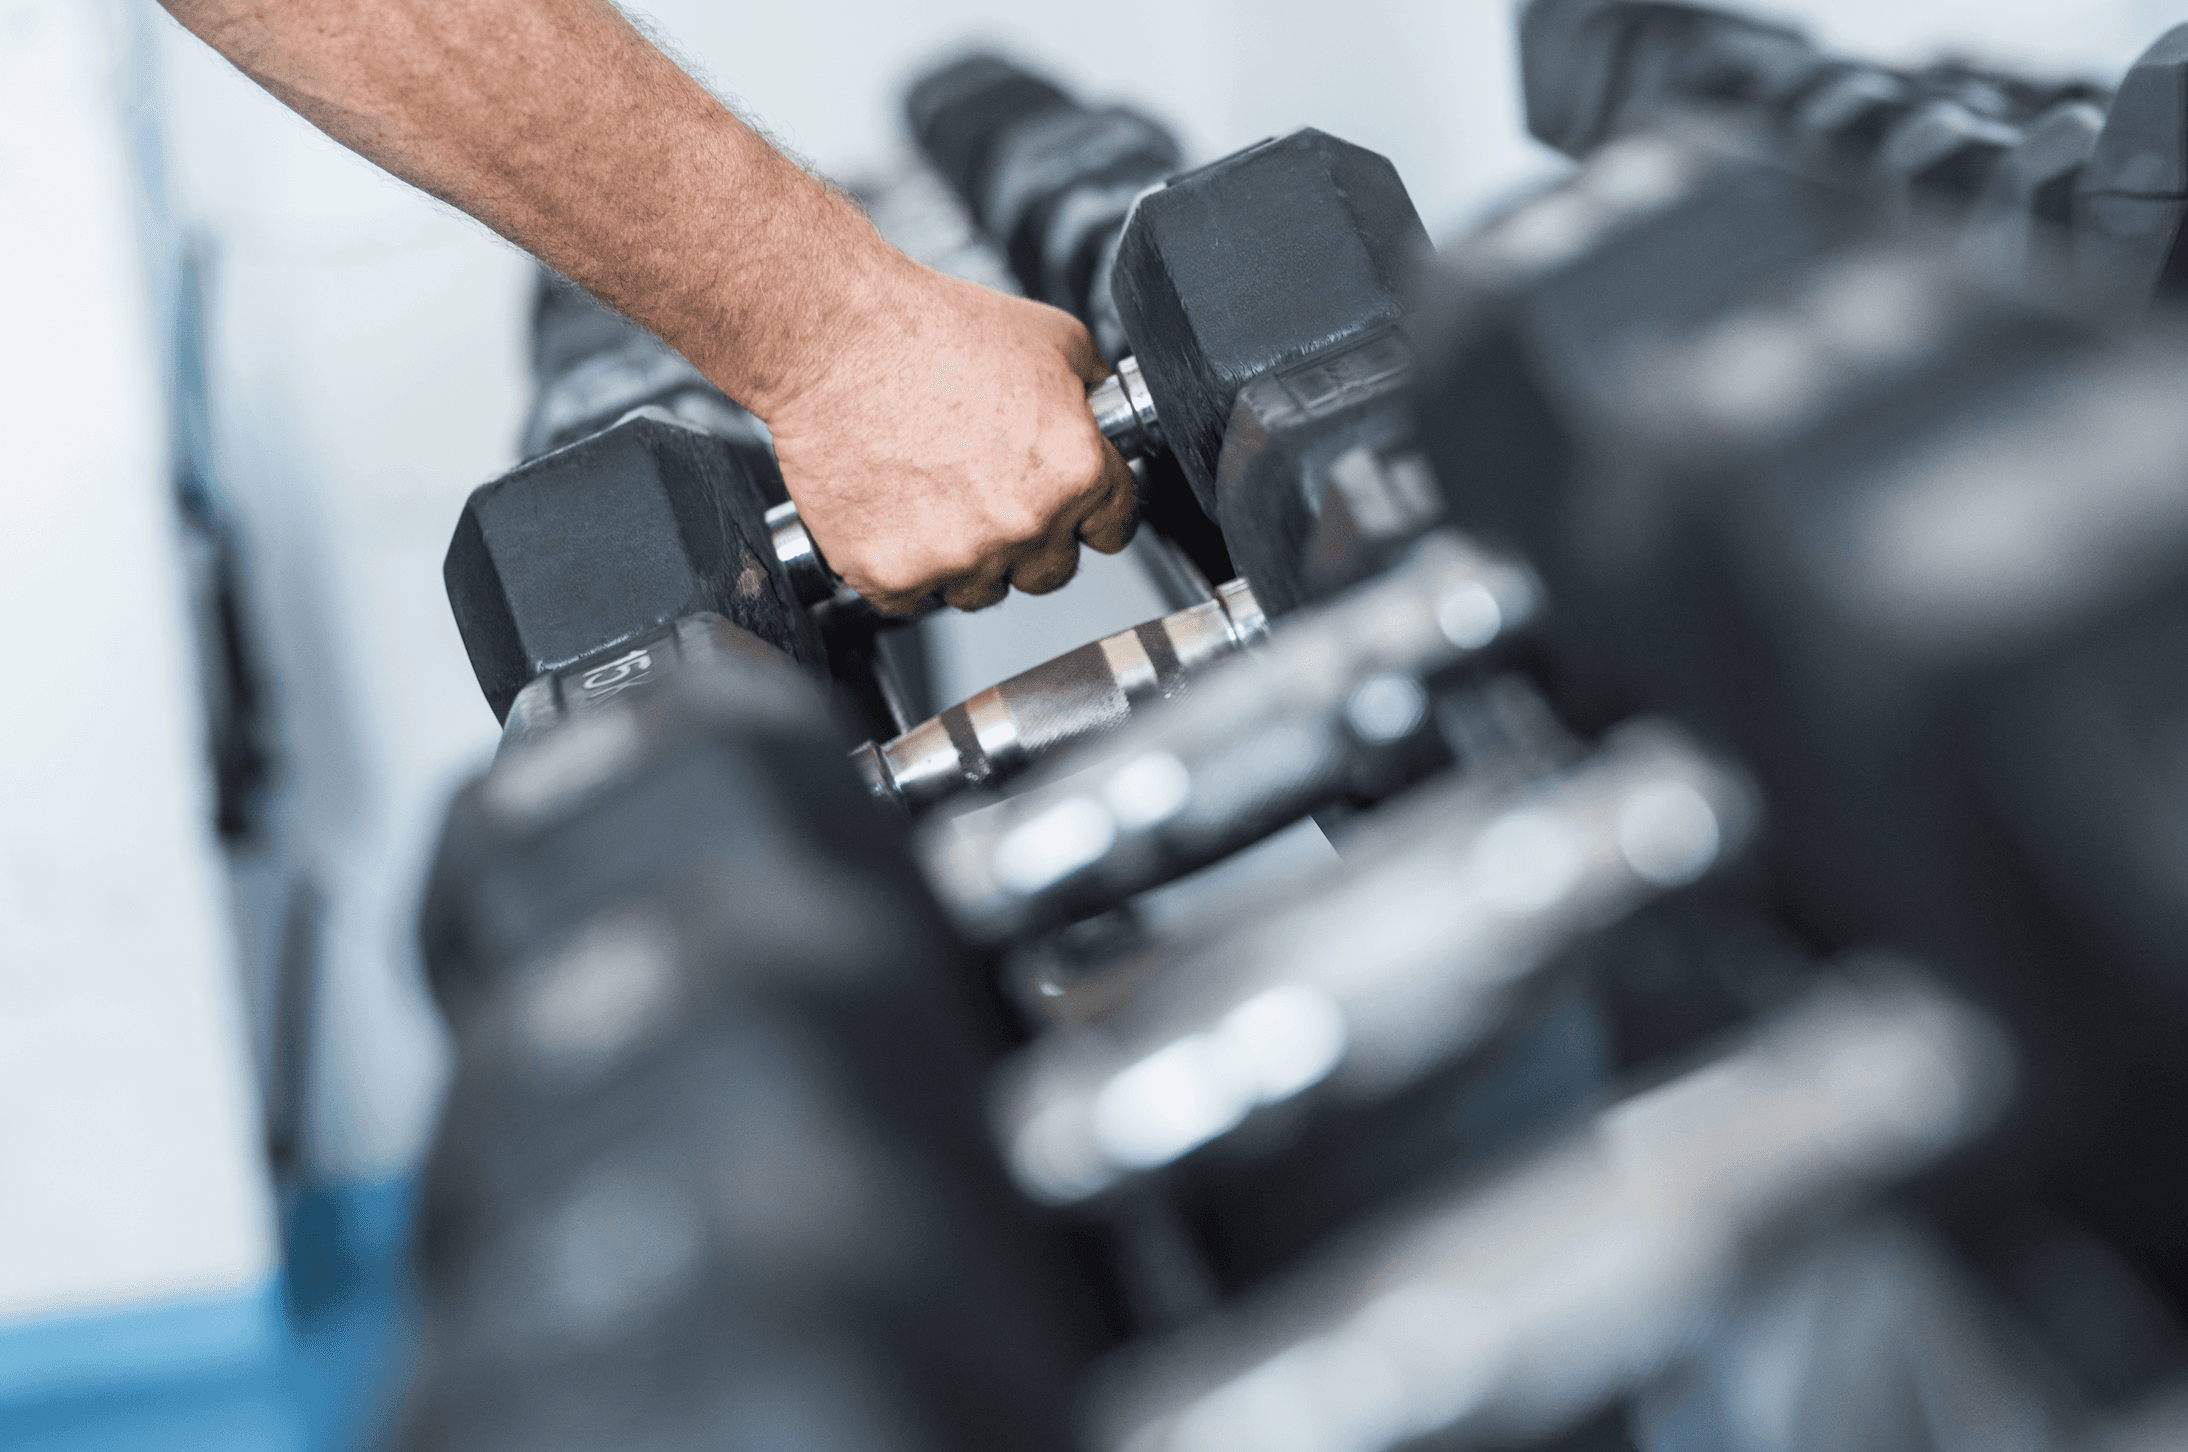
(934, 434)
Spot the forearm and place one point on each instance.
(561, 127)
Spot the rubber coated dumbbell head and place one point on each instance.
(1590, 67)
(1846, 118)
(612, 538)
(1940, 159)
(2018, 227)
(2132, 200)
(591, 367)
(634, 790)
(1523, 322)
(1041, 160)
(959, 113)
(1952, 716)
(1272, 256)
(1305, 477)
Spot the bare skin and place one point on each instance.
(934, 434)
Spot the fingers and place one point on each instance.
(1108, 526)
(978, 592)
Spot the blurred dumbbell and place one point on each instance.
(2131, 199)
(1934, 631)
(1049, 178)
(1952, 142)
(1337, 705)
(1592, 68)
(1502, 1310)
(2019, 227)
(1446, 914)
(711, 1169)
(525, 851)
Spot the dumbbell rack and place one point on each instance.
(1631, 1024)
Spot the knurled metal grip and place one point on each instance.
(1031, 716)
(1123, 410)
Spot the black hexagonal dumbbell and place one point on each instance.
(572, 555)
(713, 1161)
(1353, 698)
(1933, 642)
(2019, 227)
(1282, 264)
(1592, 68)
(1940, 160)
(2131, 200)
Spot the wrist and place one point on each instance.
(811, 280)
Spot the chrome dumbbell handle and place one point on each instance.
(1096, 688)
(1123, 410)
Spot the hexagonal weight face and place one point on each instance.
(1590, 68)
(1940, 158)
(960, 113)
(2019, 224)
(1848, 118)
(2132, 199)
(1267, 258)
(615, 536)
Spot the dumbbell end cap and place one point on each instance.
(1125, 411)
(810, 576)
(875, 776)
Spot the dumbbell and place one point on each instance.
(563, 570)
(2019, 227)
(2131, 198)
(1263, 364)
(1995, 152)
(1506, 400)
(1509, 1306)
(1050, 179)
(1592, 69)
(712, 1166)
(1931, 631)
(1478, 886)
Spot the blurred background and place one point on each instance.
(209, 296)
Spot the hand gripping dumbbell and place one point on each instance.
(1508, 1307)
(1340, 704)
(566, 572)
(1260, 294)
(711, 1168)
(1308, 184)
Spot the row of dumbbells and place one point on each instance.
(1384, 989)
(2053, 180)
(1514, 413)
